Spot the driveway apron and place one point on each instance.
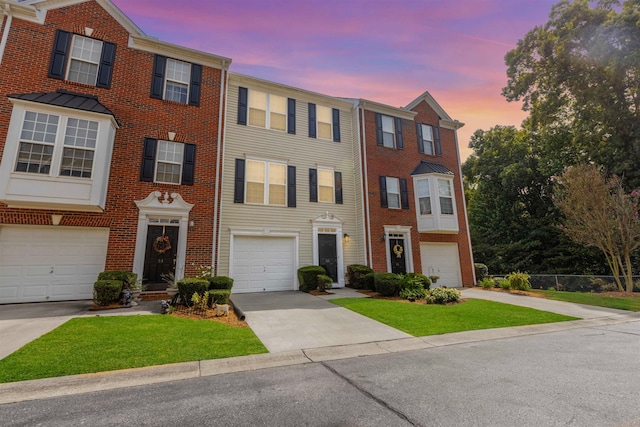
(294, 320)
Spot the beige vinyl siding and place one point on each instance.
(249, 142)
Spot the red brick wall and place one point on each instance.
(383, 161)
(24, 70)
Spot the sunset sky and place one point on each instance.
(388, 51)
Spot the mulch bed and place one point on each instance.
(316, 292)
(376, 295)
(209, 314)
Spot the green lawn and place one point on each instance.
(97, 344)
(432, 319)
(631, 303)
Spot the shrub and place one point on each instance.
(519, 281)
(413, 294)
(127, 278)
(220, 282)
(442, 296)
(387, 284)
(487, 283)
(482, 271)
(503, 283)
(220, 296)
(324, 282)
(424, 281)
(308, 277)
(356, 274)
(369, 281)
(106, 291)
(188, 286)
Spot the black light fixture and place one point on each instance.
(346, 237)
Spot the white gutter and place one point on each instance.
(5, 29)
(464, 201)
(220, 171)
(365, 177)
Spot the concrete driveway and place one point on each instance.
(294, 320)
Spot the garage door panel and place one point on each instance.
(443, 260)
(263, 264)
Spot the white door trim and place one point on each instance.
(329, 224)
(405, 231)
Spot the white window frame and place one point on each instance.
(385, 130)
(420, 195)
(178, 145)
(327, 112)
(428, 144)
(168, 80)
(397, 181)
(266, 183)
(331, 173)
(449, 183)
(436, 221)
(84, 60)
(268, 111)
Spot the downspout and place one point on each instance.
(356, 115)
(5, 29)
(220, 168)
(223, 91)
(365, 177)
(464, 201)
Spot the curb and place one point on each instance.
(87, 383)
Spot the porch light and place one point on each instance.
(346, 238)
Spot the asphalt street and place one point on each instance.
(579, 377)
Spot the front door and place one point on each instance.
(160, 257)
(328, 255)
(396, 248)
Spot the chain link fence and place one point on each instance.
(577, 283)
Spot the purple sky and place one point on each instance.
(388, 51)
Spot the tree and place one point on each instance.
(597, 212)
(579, 77)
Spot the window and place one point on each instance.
(81, 59)
(325, 185)
(389, 131)
(324, 122)
(169, 162)
(267, 110)
(446, 198)
(37, 148)
(424, 198)
(393, 193)
(176, 81)
(427, 139)
(259, 173)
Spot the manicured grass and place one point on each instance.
(96, 344)
(432, 319)
(631, 303)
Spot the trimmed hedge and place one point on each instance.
(369, 281)
(442, 296)
(220, 296)
(387, 284)
(324, 282)
(308, 277)
(220, 282)
(127, 278)
(188, 286)
(412, 279)
(356, 274)
(482, 271)
(106, 291)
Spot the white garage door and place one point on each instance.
(261, 264)
(441, 259)
(50, 263)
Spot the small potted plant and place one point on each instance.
(172, 284)
(434, 279)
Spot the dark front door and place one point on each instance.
(396, 248)
(328, 254)
(160, 257)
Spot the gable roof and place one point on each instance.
(425, 167)
(445, 119)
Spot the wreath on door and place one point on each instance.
(161, 244)
(397, 249)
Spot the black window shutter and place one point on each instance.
(291, 112)
(194, 87)
(189, 164)
(157, 80)
(238, 192)
(312, 120)
(399, 138)
(436, 139)
(383, 192)
(336, 124)
(379, 138)
(404, 194)
(420, 141)
(338, 184)
(148, 159)
(59, 54)
(313, 185)
(291, 186)
(243, 95)
(107, 59)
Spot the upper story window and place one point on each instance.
(324, 122)
(266, 183)
(428, 139)
(389, 131)
(325, 185)
(176, 81)
(435, 198)
(168, 162)
(266, 110)
(81, 59)
(424, 196)
(394, 193)
(446, 196)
